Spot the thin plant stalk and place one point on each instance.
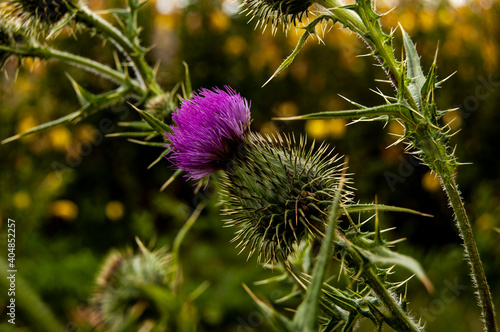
(369, 30)
(45, 52)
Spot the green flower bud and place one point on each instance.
(161, 106)
(121, 297)
(279, 192)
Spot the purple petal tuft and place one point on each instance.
(210, 126)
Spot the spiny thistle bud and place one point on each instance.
(161, 106)
(275, 190)
(35, 17)
(121, 297)
(278, 12)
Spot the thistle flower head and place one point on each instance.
(35, 16)
(278, 12)
(279, 192)
(210, 127)
(275, 190)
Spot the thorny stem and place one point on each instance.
(396, 318)
(45, 52)
(370, 31)
(478, 275)
(131, 50)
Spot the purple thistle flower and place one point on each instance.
(210, 126)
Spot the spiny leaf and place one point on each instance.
(355, 208)
(132, 134)
(414, 71)
(369, 112)
(84, 96)
(187, 81)
(63, 120)
(306, 317)
(384, 256)
(308, 31)
(280, 322)
(154, 122)
(155, 144)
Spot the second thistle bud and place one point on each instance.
(274, 189)
(36, 17)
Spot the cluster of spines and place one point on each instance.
(35, 17)
(278, 12)
(119, 284)
(279, 192)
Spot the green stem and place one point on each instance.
(133, 51)
(478, 275)
(45, 52)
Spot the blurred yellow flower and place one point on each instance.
(219, 22)
(114, 210)
(64, 209)
(26, 123)
(60, 138)
(287, 108)
(485, 221)
(431, 182)
(21, 200)
(87, 132)
(269, 128)
(395, 130)
(235, 45)
(321, 129)
(453, 119)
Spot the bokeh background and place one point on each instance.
(75, 196)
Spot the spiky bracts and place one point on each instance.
(278, 12)
(6, 39)
(35, 17)
(278, 192)
(121, 297)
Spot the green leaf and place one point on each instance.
(308, 31)
(132, 134)
(355, 208)
(280, 322)
(187, 81)
(154, 144)
(63, 120)
(84, 96)
(430, 82)
(397, 110)
(154, 122)
(413, 70)
(55, 30)
(384, 256)
(305, 318)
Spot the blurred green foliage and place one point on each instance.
(76, 195)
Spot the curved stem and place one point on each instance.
(45, 52)
(134, 52)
